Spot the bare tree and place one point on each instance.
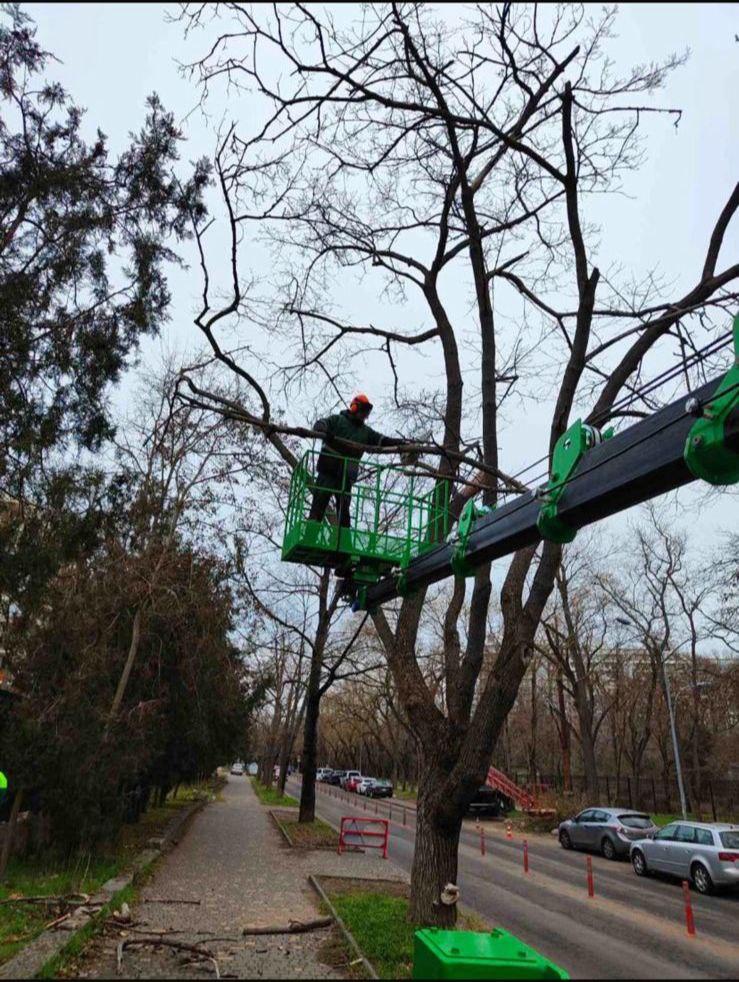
(410, 150)
(576, 633)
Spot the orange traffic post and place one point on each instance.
(482, 841)
(390, 815)
(509, 831)
(689, 922)
(591, 885)
(403, 815)
(525, 856)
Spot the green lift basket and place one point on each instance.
(394, 516)
(439, 954)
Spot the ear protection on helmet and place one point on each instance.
(360, 404)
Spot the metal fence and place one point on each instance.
(719, 798)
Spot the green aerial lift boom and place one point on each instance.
(400, 536)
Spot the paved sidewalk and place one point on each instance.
(234, 862)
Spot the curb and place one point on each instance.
(282, 829)
(348, 936)
(30, 961)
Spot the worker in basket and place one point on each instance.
(338, 463)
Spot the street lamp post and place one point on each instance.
(675, 744)
(673, 727)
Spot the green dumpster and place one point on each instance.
(439, 954)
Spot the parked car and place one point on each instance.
(609, 831)
(706, 853)
(352, 783)
(489, 801)
(348, 775)
(364, 785)
(334, 777)
(237, 768)
(322, 773)
(381, 788)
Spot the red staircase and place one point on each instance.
(497, 779)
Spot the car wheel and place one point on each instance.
(608, 849)
(639, 863)
(701, 878)
(564, 839)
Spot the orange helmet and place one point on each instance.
(360, 404)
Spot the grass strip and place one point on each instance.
(380, 927)
(378, 920)
(53, 875)
(58, 965)
(44, 877)
(271, 796)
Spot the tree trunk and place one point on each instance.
(126, 673)
(287, 748)
(564, 736)
(587, 739)
(10, 832)
(434, 861)
(533, 745)
(310, 757)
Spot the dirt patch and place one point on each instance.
(305, 835)
(341, 886)
(335, 953)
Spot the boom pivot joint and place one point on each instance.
(568, 452)
(461, 536)
(712, 447)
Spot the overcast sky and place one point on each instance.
(113, 55)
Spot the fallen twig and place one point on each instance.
(293, 927)
(68, 900)
(57, 920)
(158, 941)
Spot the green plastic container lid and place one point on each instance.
(479, 955)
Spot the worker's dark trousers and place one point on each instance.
(323, 494)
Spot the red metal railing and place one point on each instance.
(497, 779)
(363, 829)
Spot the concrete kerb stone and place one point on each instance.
(285, 834)
(30, 960)
(348, 936)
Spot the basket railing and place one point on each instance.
(394, 515)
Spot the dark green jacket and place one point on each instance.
(346, 426)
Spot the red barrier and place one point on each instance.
(482, 841)
(689, 922)
(591, 885)
(353, 827)
(525, 856)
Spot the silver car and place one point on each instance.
(609, 831)
(706, 853)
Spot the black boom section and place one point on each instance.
(642, 462)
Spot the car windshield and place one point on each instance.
(383, 782)
(730, 840)
(636, 821)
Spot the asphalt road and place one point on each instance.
(632, 928)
